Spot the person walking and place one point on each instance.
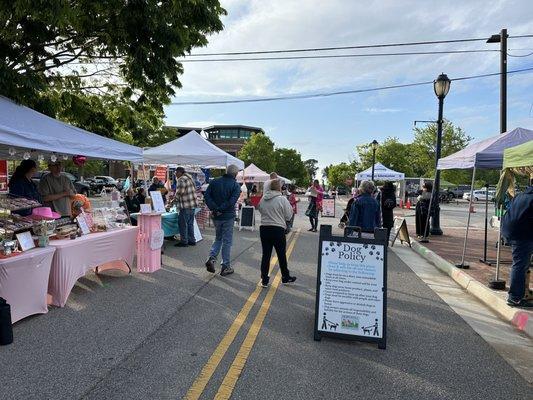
(388, 202)
(220, 197)
(293, 200)
(365, 212)
(517, 224)
(312, 208)
(319, 194)
(422, 211)
(186, 202)
(275, 212)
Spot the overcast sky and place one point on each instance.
(328, 129)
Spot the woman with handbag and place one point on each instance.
(275, 212)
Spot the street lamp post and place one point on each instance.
(441, 86)
(375, 145)
(502, 39)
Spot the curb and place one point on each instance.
(518, 318)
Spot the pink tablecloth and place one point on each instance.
(24, 281)
(73, 258)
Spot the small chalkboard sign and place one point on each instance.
(399, 229)
(247, 217)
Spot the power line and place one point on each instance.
(520, 55)
(368, 46)
(337, 93)
(411, 53)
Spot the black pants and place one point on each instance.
(273, 236)
(314, 222)
(421, 225)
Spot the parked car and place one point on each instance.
(459, 191)
(108, 180)
(481, 194)
(342, 191)
(81, 187)
(96, 184)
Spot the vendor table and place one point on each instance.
(73, 258)
(24, 282)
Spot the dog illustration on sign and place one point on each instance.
(372, 329)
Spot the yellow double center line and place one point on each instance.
(226, 388)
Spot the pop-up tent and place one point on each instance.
(517, 160)
(486, 154)
(252, 173)
(22, 128)
(381, 173)
(190, 149)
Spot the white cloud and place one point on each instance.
(382, 110)
(284, 24)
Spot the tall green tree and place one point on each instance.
(423, 150)
(338, 173)
(391, 153)
(101, 53)
(289, 164)
(259, 150)
(311, 166)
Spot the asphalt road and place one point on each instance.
(150, 336)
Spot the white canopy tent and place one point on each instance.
(190, 149)
(22, 129)
(381, 173)
(252, 173)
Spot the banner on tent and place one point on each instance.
(3, 176)
(161, 172)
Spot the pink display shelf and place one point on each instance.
(148, 257)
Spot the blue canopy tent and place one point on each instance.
(485, 154)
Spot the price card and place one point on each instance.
(82, 223)
(146, 208)
(157, 201)
(25, 240)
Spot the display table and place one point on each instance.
(24, 282)
(73, 258)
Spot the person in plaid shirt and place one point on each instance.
(186, 202)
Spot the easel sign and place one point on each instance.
(328, 207)
(399, 229)
(351, 293)
(247, 217)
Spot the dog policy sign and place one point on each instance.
(351, 287)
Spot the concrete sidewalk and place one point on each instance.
(496, 300)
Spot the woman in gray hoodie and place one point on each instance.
(275, 212)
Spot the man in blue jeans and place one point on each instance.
(517, 227)
(221, 197)
(186, 202)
